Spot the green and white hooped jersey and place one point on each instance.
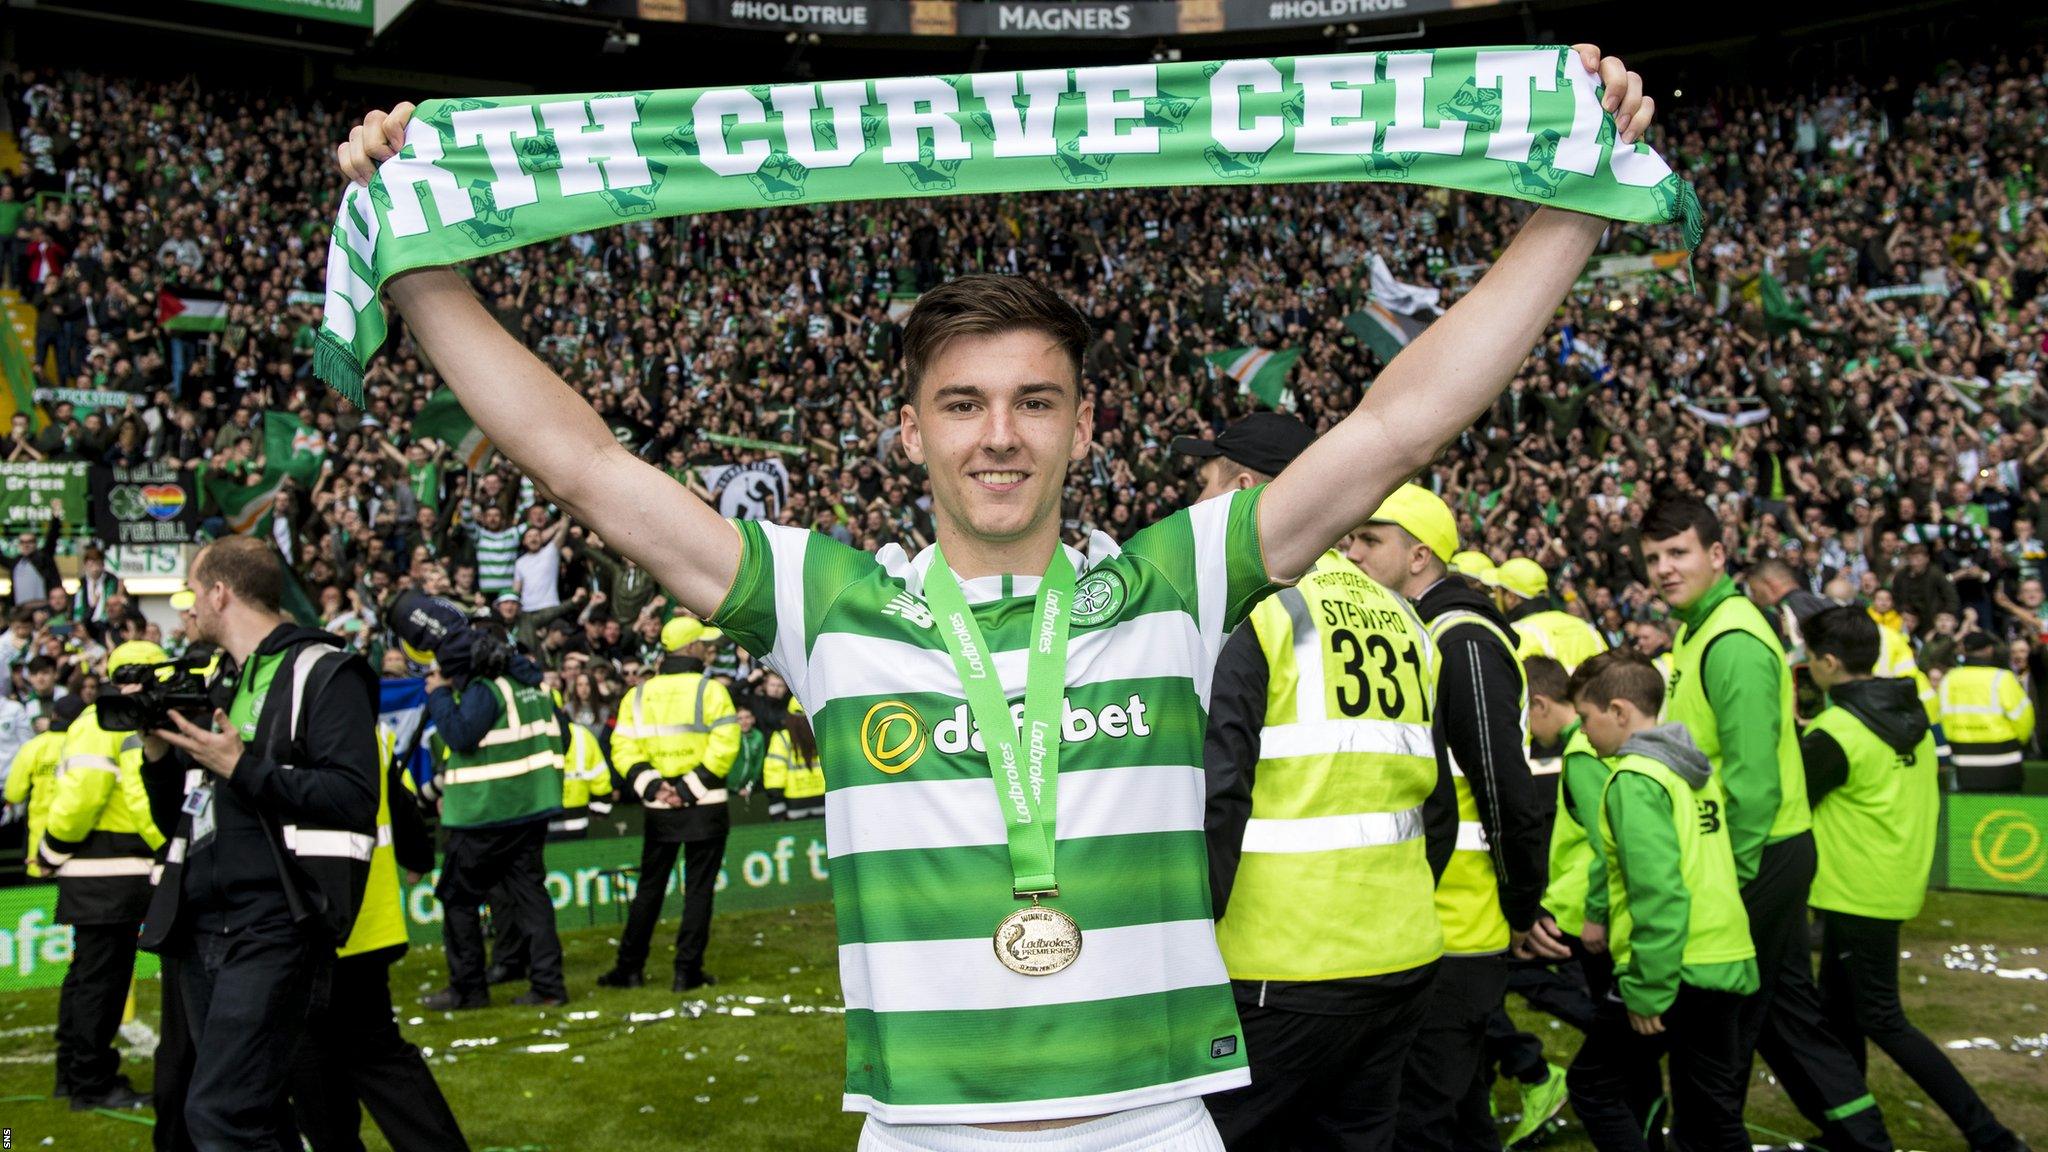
(495, 553)
(938, 1031)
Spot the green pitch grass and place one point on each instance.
(757, 1064)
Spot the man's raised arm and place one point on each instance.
(1449, 376)
(543, 426)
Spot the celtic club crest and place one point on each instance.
(1098, 597)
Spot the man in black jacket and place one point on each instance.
(1481, 740)
(263, 877)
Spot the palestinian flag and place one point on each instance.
(191, 310)
(1384, 330)
(246, 507)
(442, 418)
(1259, 371)
(291, 448)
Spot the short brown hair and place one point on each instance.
(983, 305)
(250, 567)
(1547, 678)
(1619, 674)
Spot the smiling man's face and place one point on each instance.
(996, 422)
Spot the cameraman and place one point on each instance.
(263, 877)
(500, 786)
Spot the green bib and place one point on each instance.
(516, 773)
(1571, 850)
(1717, 928)
(1875, 832)
(250, 693)
(1688, 705)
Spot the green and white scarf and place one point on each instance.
(484, 176)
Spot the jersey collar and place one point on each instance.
(987, 589)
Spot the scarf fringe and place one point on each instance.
(334, 363)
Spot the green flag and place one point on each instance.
(1259, 371)
(1384, 330)
(246, 507)
(296, 603)
(442, 418)
(1781, 315)
(1519, 122)
(291, 448)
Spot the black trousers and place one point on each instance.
(701, 861)
(1859, 989)
(354, 1056)
(2005, 778)
(1558, 990)
(1784, 1022)
(89, 1008)
(511, 860)
(1444, 1095)
(508, 940)
(247, 995)
(173, 1059)
(1323, 1081)
(1709, 1071)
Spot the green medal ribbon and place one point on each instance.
(1027, 782)
(483, 176)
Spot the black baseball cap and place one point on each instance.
(1263, 441)
(65, 710)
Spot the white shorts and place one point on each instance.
(1182, 1126)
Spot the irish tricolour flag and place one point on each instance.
(1259, 371)
(442, 418)
(190, 310)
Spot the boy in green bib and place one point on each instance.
(1871, 775)
(1676, 928)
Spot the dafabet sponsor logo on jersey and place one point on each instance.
(893, 735)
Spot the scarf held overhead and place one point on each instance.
(483, 176)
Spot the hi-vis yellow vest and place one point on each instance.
(586, 781)
(1559, 635)
(1688, 705)
(380, 920)
(1986, 715)
(1571, 848)
(1468, 895)
(1346, 760)
(801, 782)
(33, 777)
(1895, 660)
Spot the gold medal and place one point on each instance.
(1037, 941)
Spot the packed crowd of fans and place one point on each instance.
(1887, 445)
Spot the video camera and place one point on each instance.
(179, 686)
(439, 631)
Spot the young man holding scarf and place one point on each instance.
(1079, 1002)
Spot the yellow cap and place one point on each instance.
(1471, 563)
(1423, 515)
(683, 631)
(183, 599)
(1522, 576)
(134, 652)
